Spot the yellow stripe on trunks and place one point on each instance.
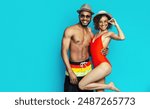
(81, 71)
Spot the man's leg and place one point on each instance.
(79, 90)
(68, 87)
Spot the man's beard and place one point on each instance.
(84, 25)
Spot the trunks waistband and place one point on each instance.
(78, 63)
(81, 68)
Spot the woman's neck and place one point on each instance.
(101, 32)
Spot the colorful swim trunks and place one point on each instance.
(81, 68)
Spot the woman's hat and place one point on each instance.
(85, 7)
(102, 13)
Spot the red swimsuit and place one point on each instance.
(95, 50)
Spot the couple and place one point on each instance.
(81, 42)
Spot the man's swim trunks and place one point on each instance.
(80, 68)
(68, 87)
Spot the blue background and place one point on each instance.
(30, 43)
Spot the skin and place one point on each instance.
(76, 39)
(91, 80)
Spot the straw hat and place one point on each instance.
(102, 13)
(85, 7)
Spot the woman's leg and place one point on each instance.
(98, 73)
(102, 81)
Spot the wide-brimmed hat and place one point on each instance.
(85, 7)
(102, 13)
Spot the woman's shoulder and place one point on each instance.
(108, 34)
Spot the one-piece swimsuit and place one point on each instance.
(95, 50)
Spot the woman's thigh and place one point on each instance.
(97, 73)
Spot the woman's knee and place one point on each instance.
(81, 86)
(108, 69)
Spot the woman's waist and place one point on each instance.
(97, 54)
(98, 57)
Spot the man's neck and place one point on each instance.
(81, 26)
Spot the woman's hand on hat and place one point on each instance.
(112, 21)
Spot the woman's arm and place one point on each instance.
(120, 35)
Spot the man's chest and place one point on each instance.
(81, 38)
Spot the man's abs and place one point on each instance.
(78, 55)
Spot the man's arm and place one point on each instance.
(105, 51)
(65, 47)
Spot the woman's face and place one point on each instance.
(103, 23)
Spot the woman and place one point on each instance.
(102, 22)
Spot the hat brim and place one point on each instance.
(79, 11)
(101, 14)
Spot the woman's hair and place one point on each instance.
(96, 21)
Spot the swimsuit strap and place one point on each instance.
(99, 36)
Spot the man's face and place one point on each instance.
(85, 18)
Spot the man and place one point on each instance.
(77, 38)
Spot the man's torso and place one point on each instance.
(79, 45)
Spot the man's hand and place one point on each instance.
(104, 51)
(73, 78)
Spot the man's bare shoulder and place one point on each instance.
(71, 29)
(68, 30)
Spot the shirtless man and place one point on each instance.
(77, 38)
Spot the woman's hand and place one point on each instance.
(112, 21)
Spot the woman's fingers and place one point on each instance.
(112, 21)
